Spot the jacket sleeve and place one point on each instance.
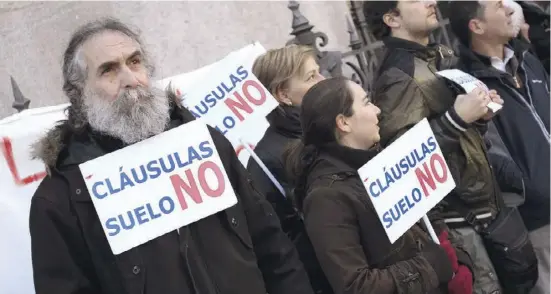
(282, 205)
(59, 256)
(277, 257)
(403, 104)
(333, 229)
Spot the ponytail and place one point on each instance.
(298, 158)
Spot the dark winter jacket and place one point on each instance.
(407, 90)
(523, 123)
(285, 127)
(241, 250)
(349, 238)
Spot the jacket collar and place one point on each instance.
(431, 51)
(286, 121)
(481, 66)
(334, 159)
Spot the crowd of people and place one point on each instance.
(323, 234)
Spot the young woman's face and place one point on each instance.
(302, 82)
(364, 129)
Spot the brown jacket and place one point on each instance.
(408, 90)
(350, 241)
(241, 250)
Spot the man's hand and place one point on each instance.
(472, 106)
(494, 97)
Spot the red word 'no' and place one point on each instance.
(7, 151)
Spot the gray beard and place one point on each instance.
(135, 115)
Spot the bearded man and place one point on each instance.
(107, 77)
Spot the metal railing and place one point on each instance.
(359, 63)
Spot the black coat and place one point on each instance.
(241, 250)
(284, 128)
(523, 122)
(538, 32)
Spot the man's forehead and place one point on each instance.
(109, 46)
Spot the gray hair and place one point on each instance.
(75, 68)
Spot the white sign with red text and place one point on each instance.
(407, 179)
(227, 96)
(157, 185)
(468, 83)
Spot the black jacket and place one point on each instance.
(241, 250)
(284, 128)
(349, 238)
(408, 90)
(523, 123)
(538, 33)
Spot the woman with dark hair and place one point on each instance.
(340, 134)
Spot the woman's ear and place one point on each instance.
(282, 96)
(342, 124)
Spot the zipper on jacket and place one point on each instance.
(440, 51)
(517, 84)
(533, 112)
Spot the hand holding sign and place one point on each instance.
(469, 83)
(495, 105)
(472, 106)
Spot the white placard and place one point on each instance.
(195, 87)
(407, 179)
(158, 185)
(468, 83)
(230, 99)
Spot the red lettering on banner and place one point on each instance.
(254, 84)
(242, 104)
(7, 151)
(192, 189)
(427, 176)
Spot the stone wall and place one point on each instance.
(181, 35)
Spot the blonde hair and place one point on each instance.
(275, 67)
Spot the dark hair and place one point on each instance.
(75, 68)
(374, 12)
(320, 106)
(461, 13)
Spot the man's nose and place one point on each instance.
(128, 79)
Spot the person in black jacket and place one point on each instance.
(240, 250)
(287, 73)
(538, 19)
(488, 53)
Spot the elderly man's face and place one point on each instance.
(117, 98)
(115, 63)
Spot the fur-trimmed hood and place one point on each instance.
(48, 148)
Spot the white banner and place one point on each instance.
(157, 185)
(407, 179)
(19, 178)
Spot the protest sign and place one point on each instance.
(158, 185)
(227, 96)
(468, 83)
(407, 179)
